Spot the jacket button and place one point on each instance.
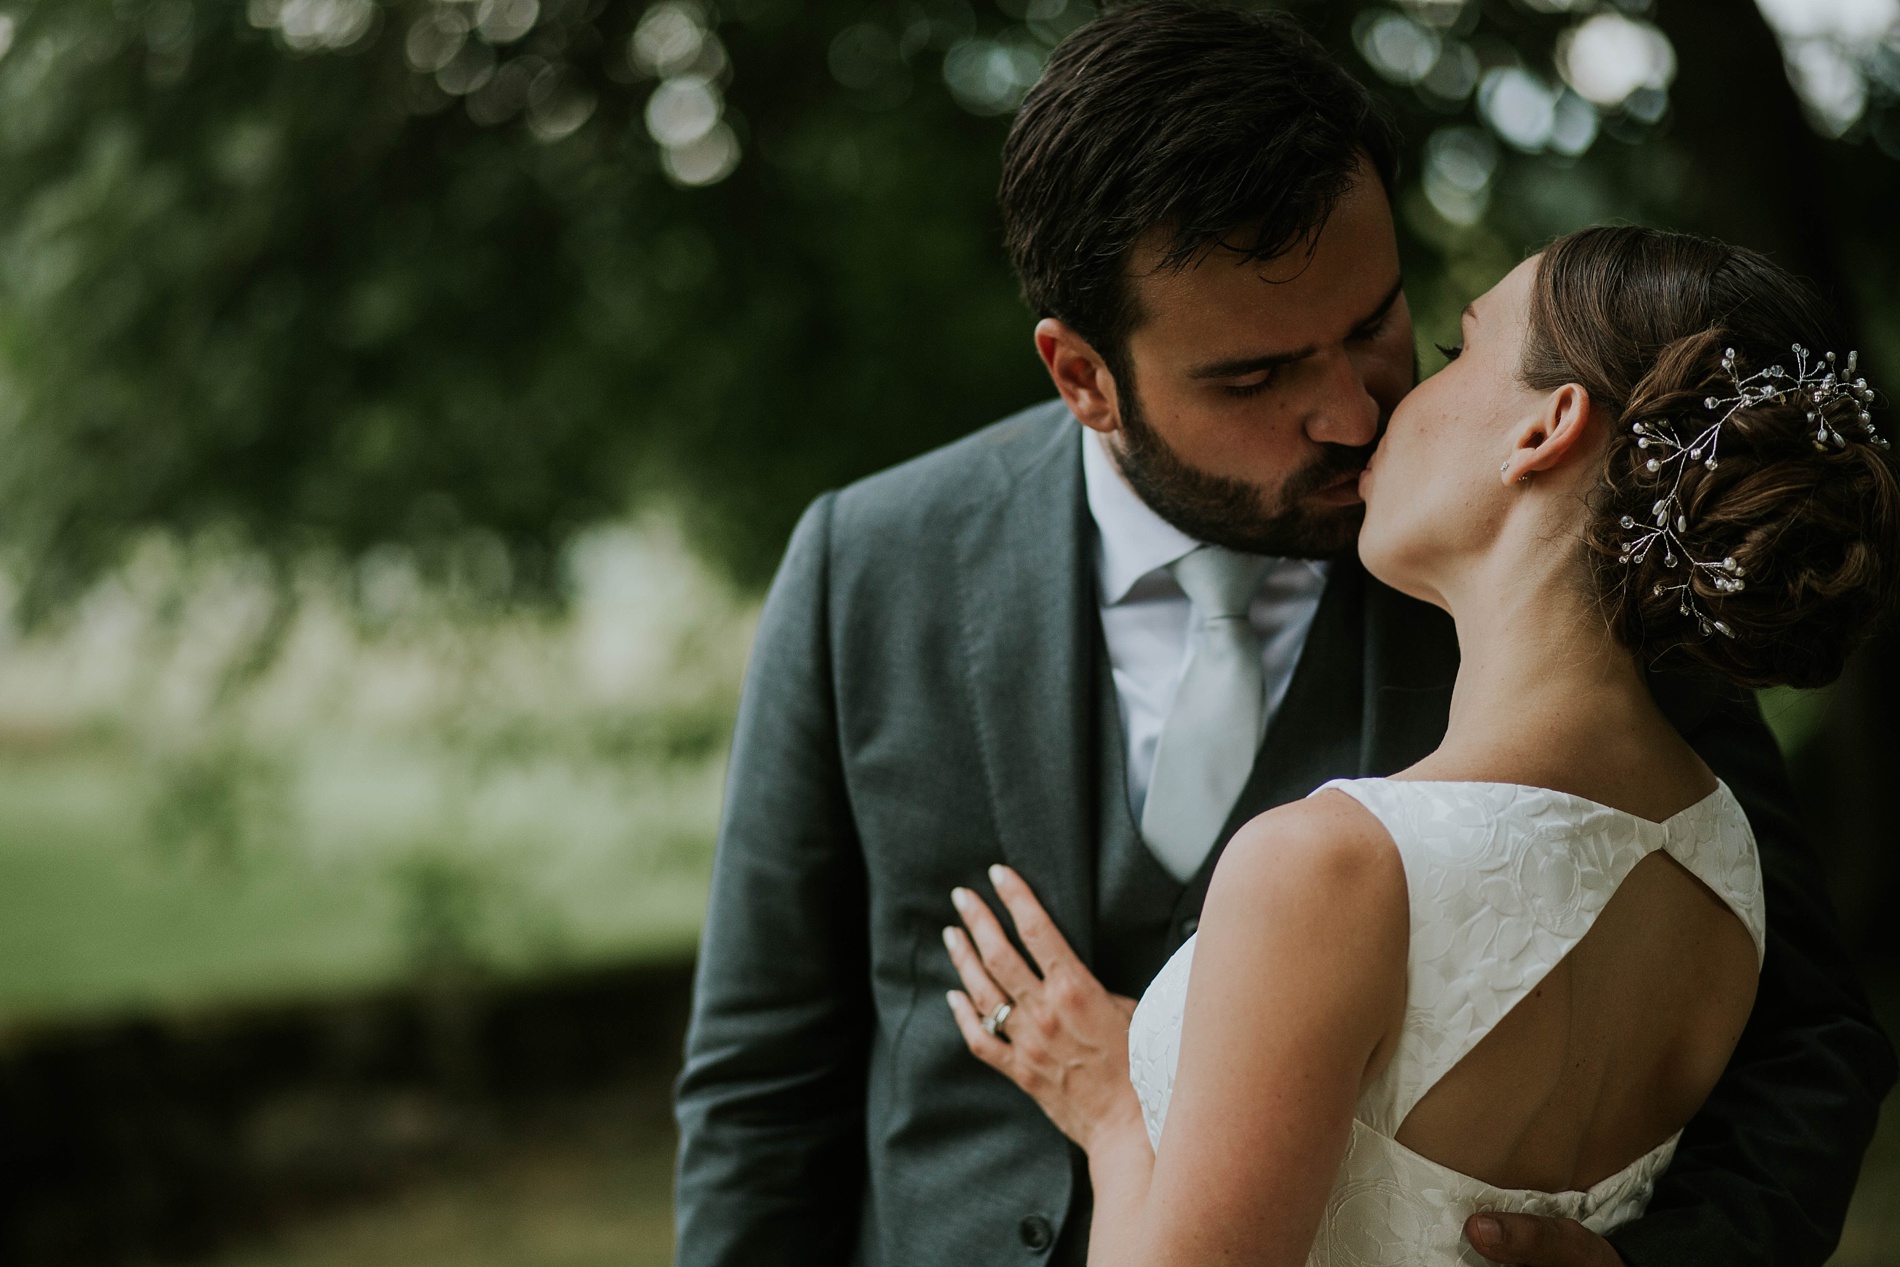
(1036, 1232)
(1190, 926)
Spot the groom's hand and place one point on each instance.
(1530, 1241)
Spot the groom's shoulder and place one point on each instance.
(899, 544)
(922, 496)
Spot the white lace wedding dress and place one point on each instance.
(1504, 880)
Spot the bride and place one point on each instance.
(1504, 979)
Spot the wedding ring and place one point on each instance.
(993, 1023)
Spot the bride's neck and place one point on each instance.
(1542, 680)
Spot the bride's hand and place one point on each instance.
(1064, 1038)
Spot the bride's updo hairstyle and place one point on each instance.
(1642, 320)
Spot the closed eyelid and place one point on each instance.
(1372, 331)
(1377, 321)
(1246, 367)
(1260, 384)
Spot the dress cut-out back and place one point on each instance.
(1503, 881)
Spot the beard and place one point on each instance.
(1223, 511)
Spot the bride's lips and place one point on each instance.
(1343, 491)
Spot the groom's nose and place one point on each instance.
(1343, 410)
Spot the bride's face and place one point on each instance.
(1433, 490)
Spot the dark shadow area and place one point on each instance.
(172, 1141)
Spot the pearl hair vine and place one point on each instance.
(1818, 383)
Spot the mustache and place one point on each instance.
(1335, 462)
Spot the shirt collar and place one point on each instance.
(1132, 541)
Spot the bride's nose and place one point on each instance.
(1342, 410)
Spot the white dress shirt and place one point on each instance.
(1146, 616)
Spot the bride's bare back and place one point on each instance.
(1611, 1054)
(1623, 1040)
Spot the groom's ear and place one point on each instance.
(1080, 374)
(1558, 430)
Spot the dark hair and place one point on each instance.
(1223, 128)
(1642, 319)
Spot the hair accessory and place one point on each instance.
(1833, 396)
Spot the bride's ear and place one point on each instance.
(1543, 441)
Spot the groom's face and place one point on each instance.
(1251, 394)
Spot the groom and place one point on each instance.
(985, 655)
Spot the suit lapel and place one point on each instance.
(1026, 606)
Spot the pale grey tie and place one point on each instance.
(1213, 727)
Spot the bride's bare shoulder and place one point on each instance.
(1324, 852)
(1308, 918)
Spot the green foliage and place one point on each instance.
(306, 293)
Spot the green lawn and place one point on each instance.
(202, 808)
(555, 867)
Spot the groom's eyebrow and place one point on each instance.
(1235, 367)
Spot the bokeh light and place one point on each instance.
(685, 115)
(505, 21)
(1520, 107)
(1841, 55)
(991, 76)
(682, 110)
(1399, 48)
(308, 25)
(1608, 57)
(1460, 162)
(669, 39)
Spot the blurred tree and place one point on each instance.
(421, 273)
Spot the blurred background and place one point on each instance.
(402, 406)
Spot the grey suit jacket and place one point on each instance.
(919, 706)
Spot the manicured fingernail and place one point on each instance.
(961, 897)
(950, 937)
(1488, 1230)
(996, 874)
